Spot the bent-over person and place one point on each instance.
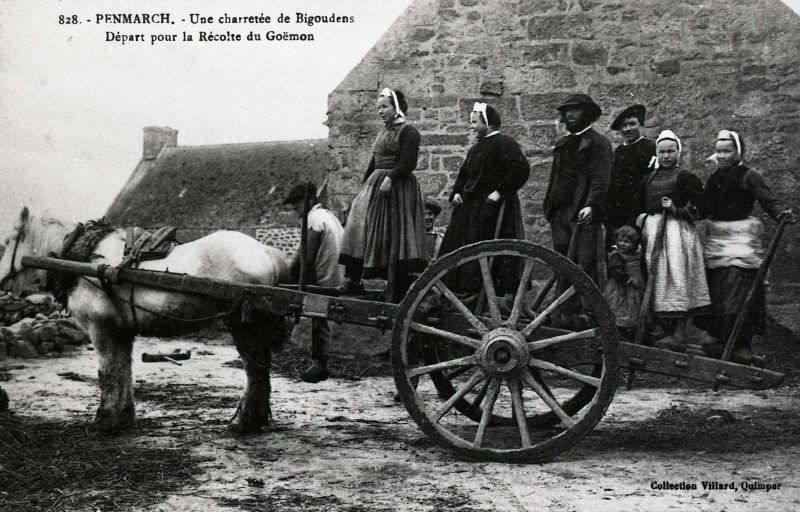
(323, 244)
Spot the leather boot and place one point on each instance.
(318, 371)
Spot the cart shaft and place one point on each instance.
(274, 299)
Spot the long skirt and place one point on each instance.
(733, 252)
(367, 240)
(476, 220)
(679, 286)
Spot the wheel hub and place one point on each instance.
(504, 350)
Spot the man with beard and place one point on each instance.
(576, 195)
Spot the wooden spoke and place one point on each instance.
(544, 365)
(464, 340)
(543, 292)
(494, 390)
(458, 395)
(481, 395)
(462, 308)
(520, 296)
(572, 336)
(457, 372)
(488, 287)
(547, 398)
(453, 363)
(564, 297)
(519, 412)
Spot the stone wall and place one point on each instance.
(699, 66)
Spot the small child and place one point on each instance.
(625, 286)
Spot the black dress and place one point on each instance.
(733, 247)
(494, 163)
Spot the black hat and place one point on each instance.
(433, 205)
(593, 110)
(298, 193)
(637, 111)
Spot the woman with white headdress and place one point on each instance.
(389, 186)
(679, 281)
(732, 245)
(492, 173)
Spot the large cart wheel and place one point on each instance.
(485, 373)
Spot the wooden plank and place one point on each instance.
(700, 368)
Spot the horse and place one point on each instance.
(113, 315)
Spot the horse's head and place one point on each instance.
(29, 237)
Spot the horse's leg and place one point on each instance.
(253, 411)
(116, 410)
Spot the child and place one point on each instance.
(625, 285)
(680, 290)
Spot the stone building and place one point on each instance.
(698, 65)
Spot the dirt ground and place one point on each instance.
(346, 445)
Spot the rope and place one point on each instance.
(157, 313)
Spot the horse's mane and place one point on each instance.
(78, 245)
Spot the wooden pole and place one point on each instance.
(644, 309)
(761, 273)
(304, 239)
(394, 248)
(497, 226)
(649, 288)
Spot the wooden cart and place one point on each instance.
(486, 376)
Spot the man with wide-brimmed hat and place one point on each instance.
(632, 161)
(575, 201)
(323, 244)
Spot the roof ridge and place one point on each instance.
(243, 144)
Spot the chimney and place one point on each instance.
(156, 138)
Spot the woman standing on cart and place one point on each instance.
(487, 184)
(732, 246)
(672, 248)
(389, 188)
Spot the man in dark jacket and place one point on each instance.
(632, 162)
(576, 196)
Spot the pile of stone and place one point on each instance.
(39, 327)
(14, 308)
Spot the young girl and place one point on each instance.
(680, 290)
(389, 186)
(625, 285)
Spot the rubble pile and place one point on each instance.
(34, 326)
(14, 308)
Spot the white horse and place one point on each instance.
(113, 316)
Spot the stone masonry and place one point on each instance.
(699, 66)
